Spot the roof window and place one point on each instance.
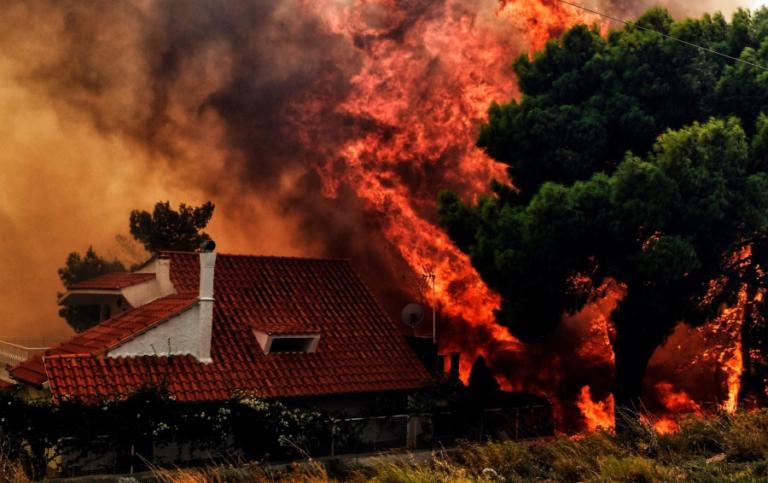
(284, 343)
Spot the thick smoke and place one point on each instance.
(319, 128)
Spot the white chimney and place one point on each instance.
(205, 301)
(163, 276)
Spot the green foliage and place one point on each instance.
(35, 433)
(168, 229)
(634, 158)
(76, 269)
(163, 229)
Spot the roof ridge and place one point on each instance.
(150, 326)
(270, 257)
(184, 295)
(70, 355)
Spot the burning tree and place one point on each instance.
(666, 223)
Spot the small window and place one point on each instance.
(291, 344)
(286, 343)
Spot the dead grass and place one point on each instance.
(11, 470)
(721, 449)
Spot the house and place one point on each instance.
(265, 326)
(213, 327)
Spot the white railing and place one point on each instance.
(12, 354)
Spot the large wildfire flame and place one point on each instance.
(331, 125)
(423, 94)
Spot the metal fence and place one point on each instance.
(349, 436)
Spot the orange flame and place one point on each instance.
(428, 89)
(676, 403)
(597, 415)
(730, 357)
(543, 20)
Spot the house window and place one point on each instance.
(291, 344)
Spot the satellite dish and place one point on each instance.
(412, 314)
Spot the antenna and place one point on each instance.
(430, 277)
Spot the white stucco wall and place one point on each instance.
(176, 336)
(139, 294)
(160, 286)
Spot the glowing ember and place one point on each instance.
(597, 415)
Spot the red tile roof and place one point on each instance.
(113, 281)
(108, 334)
(360, 348)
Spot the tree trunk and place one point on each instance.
(745, 388)
(752, 389)
(632, 357)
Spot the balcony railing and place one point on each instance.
(12, 353)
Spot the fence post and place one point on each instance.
(412, 431)
(333, 438)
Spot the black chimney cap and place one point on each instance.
(208, 246)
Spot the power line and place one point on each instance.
(666, 36)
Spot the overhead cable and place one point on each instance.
(666, 36)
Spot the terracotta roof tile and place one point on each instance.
(113, 281)
(107, 334)
(360, 348)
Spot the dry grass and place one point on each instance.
(726, 448)
(11, 470)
